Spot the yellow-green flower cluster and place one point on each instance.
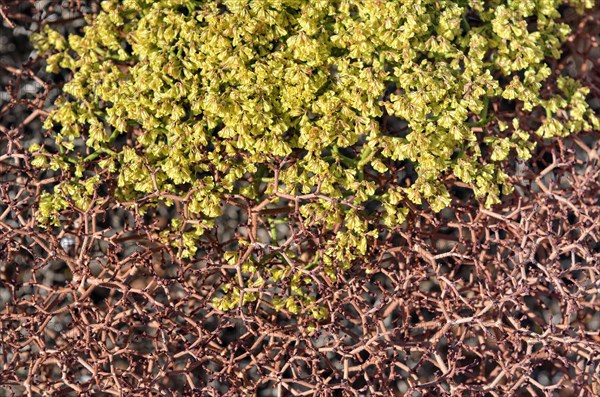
(213, 92)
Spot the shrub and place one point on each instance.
(323, 106)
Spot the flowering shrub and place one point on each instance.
(322, 106)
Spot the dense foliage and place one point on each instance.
(211, 102)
